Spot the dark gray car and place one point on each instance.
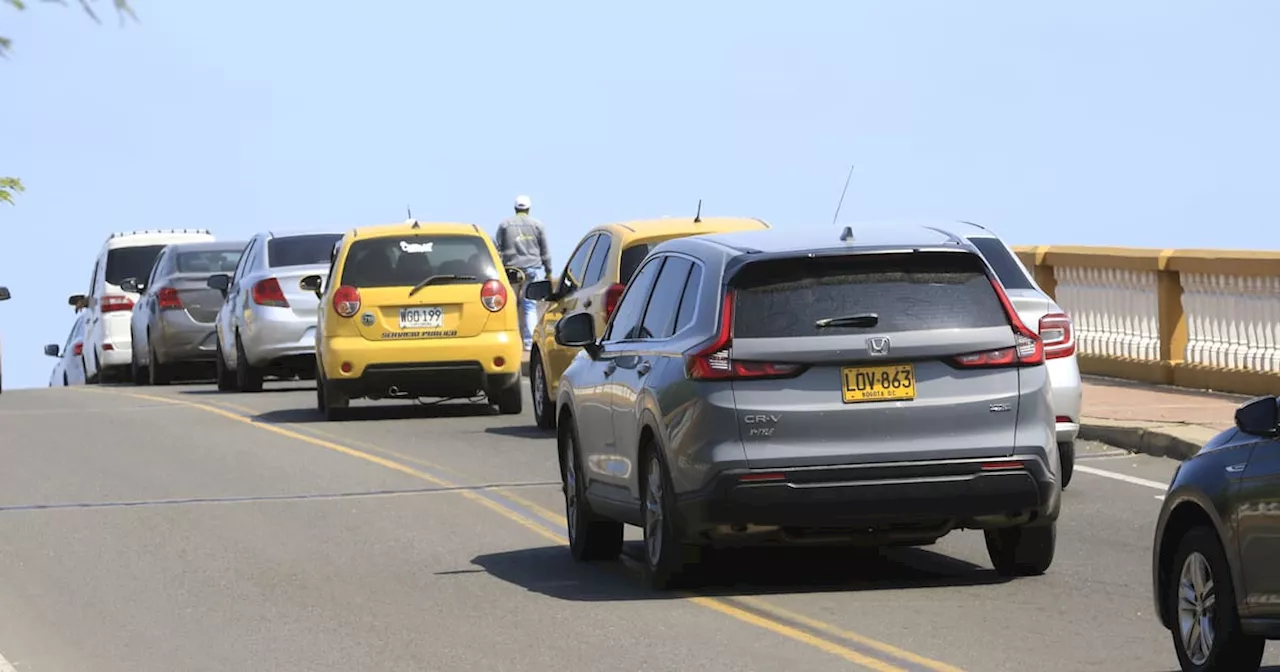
(173, 320)
(873, 389)
(1216, 556)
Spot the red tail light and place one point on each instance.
(493, 295)
(268, 293)
(714, 362)
(346, 300)
(78, 348)
(1058, 335)
(1004, 465)
(611, 298)
(168, 299)
(113, 302)
(1028, 349)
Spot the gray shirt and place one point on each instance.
(522, 243)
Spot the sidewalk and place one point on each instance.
(1155, 420)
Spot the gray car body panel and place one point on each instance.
(707, 429)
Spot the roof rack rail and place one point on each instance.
(139, 232)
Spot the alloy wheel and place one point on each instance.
(653, 513)
(1197, 605)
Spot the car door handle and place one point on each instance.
(586, 303)
(610, 368)
(1236, 468)
(643, 368)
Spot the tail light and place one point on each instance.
(268, 293)
(78, 348)
(1058, 335)
(714, 361)
(346, 300)
(1027, 350)
(611, 298)
(112, 303)
(493, 295)
(168, 299)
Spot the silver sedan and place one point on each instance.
(267, 323)
(172, 322)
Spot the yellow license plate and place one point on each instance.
(896, 382)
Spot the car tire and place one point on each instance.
(1025, 550)
(141, 375)
(668, 561)
(509, 400)
(226, 377)
(157, 373)
(544, 412)
(1231, 649)
(332, 403)
(590, 536)
(1067, 458)
(248, 377)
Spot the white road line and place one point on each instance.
(1122, 477)
(5, 666)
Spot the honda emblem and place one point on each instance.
(878, 345)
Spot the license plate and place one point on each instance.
(424, 317)
(896, 382)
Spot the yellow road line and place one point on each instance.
(715, 604)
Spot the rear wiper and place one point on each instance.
(437, 278)
(863, 320)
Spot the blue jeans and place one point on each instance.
(528, 308)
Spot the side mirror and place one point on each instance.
(1259, 417)
(578, 331)
(312, 283)
(219, 281)
(515, 276)
(77, 301)
(539, 290)
(4, 294)
(131, 285)
(51, 350)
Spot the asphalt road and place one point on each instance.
(183, 529)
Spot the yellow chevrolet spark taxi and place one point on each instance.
(418, 309)
(592, 282)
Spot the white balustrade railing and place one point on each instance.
(1115, 312)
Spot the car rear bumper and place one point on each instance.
(454, 367)
(182, 339)
(1067, 393)
(878, 504)
(268, 342)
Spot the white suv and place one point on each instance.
(108, 347)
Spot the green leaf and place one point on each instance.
(10, 186)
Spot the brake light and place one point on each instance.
(1003, 465)
(268, 293)
(493, 295)
(714, 362)
(1027, 350)
(346, 300)
(112, 303)
(611, 298)
(1058, 335)
(78, 348)
(167, 298)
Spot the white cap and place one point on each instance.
(522, 202)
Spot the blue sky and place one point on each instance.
(1144, 122)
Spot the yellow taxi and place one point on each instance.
(418, 309)
(592, 282)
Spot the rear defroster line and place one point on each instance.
(753, 611)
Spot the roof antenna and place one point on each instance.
(409, 212)
(698, 217)
(847, 234)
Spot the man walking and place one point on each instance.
(522, 242)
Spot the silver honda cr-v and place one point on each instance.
(873, 386)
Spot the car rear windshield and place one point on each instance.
(1003, 263)
(131, 262)
(404, 261)
(209, 261)
(783, 298)
(631, 258)
(301, 250)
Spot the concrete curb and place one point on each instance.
(1173, 441)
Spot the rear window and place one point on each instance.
(631, 258)
(209, 261)
(904, 292)
(404, 261)
(301, 250)
(1003, 263)
(131, 262)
